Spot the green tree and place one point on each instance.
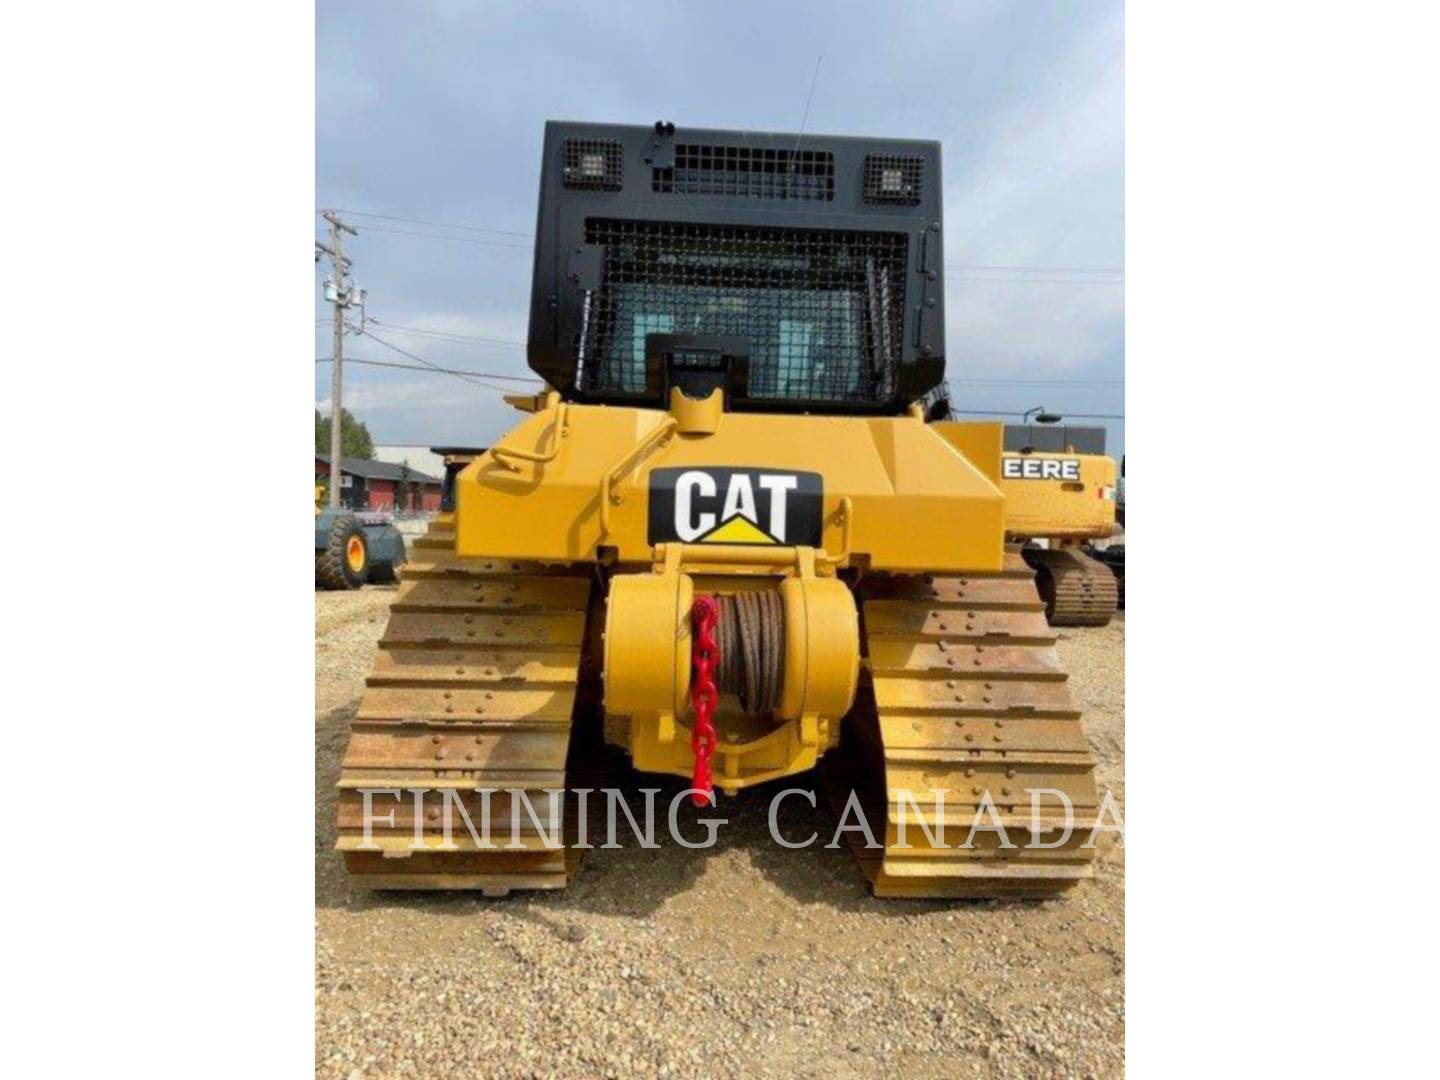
(355, 438)
(404, 488)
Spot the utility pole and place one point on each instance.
(339, 290)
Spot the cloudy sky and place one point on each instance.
(434, 112)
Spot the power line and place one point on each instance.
(464, 372)
(978, 382)
(1039, 382)
(962, 267)
(441, 236)
(436, 224)
(455, 339)
(1019, 412)
(1032, 280)
(420, 359)
(455, 334)
(433, 366)
(1014, 280)
(433, 369)
(526, 378)
(1041, 269)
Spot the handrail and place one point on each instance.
(562, 415)
(640, 450)
(779, 556)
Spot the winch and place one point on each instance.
(787, 639)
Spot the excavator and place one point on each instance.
(724, 540)
(1061, 509)
(1060, 496)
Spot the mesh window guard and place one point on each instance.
(893, 178)
(822, 310)
(748, 171)
(598, 164)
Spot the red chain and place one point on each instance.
(703, 695)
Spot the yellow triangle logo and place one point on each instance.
(737, 530)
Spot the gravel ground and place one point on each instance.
(741, 960)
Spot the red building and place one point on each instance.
(379, 485)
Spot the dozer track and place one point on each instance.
(963, 694)
(475, 687)
(1077, 590)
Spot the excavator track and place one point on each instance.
(477, 682)
(962, 695)
(1113, 557)
(1077, 590)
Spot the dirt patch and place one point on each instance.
(745, 959)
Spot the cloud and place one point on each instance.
(435, 111)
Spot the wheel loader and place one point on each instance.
(725, 541)
(354, 548)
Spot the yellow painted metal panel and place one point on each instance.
(1058, 496)
(981, 442)
(918, 503)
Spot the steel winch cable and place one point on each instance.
(751, 639)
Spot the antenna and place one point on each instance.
(805, 116)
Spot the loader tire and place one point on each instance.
(344, 561)
(387, 572)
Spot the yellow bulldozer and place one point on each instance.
(725, 540)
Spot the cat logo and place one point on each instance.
(1033, 468)
(735, 506)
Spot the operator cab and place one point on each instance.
(796, 273)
